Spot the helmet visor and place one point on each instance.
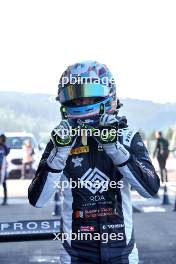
(74, 91)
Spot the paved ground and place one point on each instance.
(156, 237)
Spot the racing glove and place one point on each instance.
(114, 149)
(63, 138)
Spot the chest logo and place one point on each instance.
(77, 161)
(95, 181)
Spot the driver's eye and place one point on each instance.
(82, 101)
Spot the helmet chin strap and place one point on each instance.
(119, 105)
(102, 109)
(63, 112)
(84, 136)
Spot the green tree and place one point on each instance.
(152, 135)
(169, 133)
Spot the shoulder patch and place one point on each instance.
(140, 144)
(128, 135)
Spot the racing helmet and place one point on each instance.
(87, 79)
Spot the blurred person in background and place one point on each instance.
(27, 160)
(89, 209)
(4, 151)
(161, 152)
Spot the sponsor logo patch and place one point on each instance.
(100, 148)
(140, 144)
(79, 150)
(87, 228)
(77, 162)
(113, 226)
(145, 169)
(78, 214)
(95, 180)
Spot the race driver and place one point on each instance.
(87, 93)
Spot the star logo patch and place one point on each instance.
(77, 161)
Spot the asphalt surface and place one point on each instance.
(156, 236)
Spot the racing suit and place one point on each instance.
(98, 210)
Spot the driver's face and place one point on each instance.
(84, 101)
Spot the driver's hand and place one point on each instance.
(63, 139)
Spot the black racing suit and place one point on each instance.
(96, 210)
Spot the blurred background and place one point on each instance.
(39, 39)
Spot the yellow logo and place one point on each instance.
(79, 150)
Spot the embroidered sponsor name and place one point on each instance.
(143, 167)
(94, 213)
(87, 228)
(129, 136)
(99, 212)
(113, 226)
(79, 150)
